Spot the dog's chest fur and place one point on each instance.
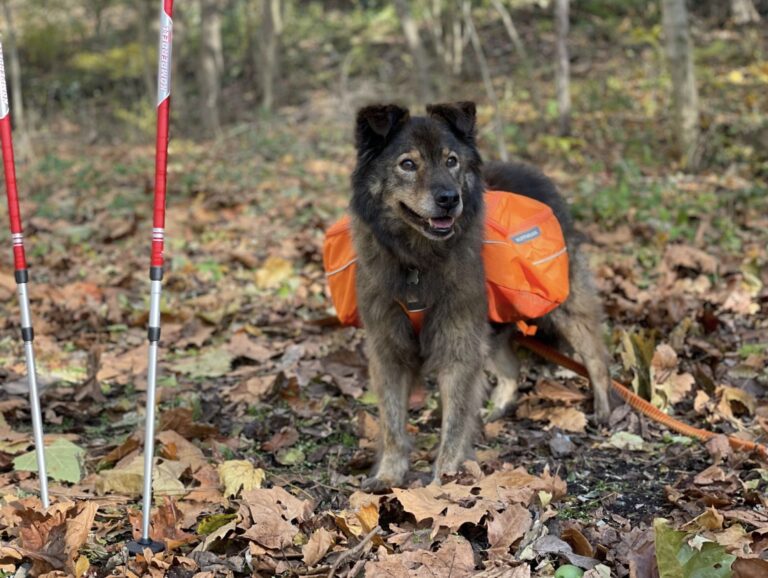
(434, 275)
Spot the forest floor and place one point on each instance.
(266, 427)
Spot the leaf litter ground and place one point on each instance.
(266, 426)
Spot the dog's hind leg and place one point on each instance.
(578, 320)
(505, 364)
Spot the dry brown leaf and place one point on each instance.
(183, 451)
(454, 559)
(368, 430)
(556, 391)
(130, 444)
(368, 515)
(242, 346)
(668, 386)
(710, 519)
(735, 539)
(567, 419)
(181, 420)
(251, 390)
(273, 511)
(54, 538)
(317, 547)
(507, 527)
(423, 503)
(735, 402)
(578, 542)
(78, 528)
(749, 568)
(286, 437)
(164, 525)
(128, 478)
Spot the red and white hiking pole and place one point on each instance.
(22, 278)
(156, 263)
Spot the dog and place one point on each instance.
(417, 227)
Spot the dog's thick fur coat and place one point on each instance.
(417, 223)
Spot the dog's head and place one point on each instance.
(417, 173)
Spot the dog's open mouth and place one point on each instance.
(434, 226)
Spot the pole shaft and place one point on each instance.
(22, 277)
(158, 240)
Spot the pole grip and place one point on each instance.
(9, 165)
(164, 61)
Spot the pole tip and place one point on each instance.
(136, 547)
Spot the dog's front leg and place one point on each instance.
(461, 394)
(391, 381)
(458, 351)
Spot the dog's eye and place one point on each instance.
(407, 165)
(451, 162)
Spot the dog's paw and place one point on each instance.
(602, 411)
(374, 485)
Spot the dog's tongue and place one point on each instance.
(441, 223)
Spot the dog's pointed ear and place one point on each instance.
(460, 116)
(376, 123)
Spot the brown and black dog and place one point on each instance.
(417, 225)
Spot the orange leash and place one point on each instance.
(636, 401)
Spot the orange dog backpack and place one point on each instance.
(524, 255)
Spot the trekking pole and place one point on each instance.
(22, 278)
(156, 265)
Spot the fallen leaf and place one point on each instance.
(317, 547)
(181, 420)
(507, 527)
(286, 437)
(677, 559)
(273, 273)
(556, 391)
(567, 419)
(239, 474)
(273, 512)
(251, 390)
(623, 440)
(128, 479)
(210, 363)
(242, 346)
(63, 461)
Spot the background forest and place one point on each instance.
(651, 117)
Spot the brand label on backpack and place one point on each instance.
(526, 236)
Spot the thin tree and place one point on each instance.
(744, 12)
(685, 97)
(17, 102)
(211, 63)
(485, 72)
(411, 32)
(562, 70)
(271, 29)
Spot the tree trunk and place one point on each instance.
(411, 32)
(477, 46)
(517, 42)
(271, 28)
(146, 11)
(685, 98)
(563, 69)
(211, 64)
(17, 102)
(744, 12)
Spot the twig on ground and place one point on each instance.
(354, 552)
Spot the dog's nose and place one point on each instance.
(446, 198)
